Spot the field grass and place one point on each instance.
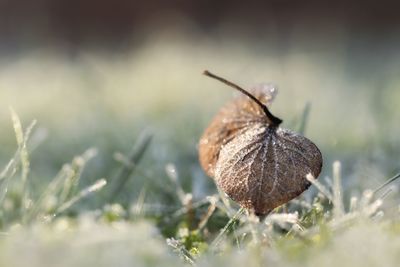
(107, 174)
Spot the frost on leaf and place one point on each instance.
(265, 167)
(254, 161)
(233, 119)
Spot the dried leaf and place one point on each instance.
(265, 167)
(254, 161)
(234, 118)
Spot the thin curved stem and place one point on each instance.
(275, 121)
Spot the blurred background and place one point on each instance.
(100, 73)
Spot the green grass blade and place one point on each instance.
(304, 118)
(217, 241)
(98, 185)
(391, 180)
(137, 153)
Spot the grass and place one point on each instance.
(135, 194)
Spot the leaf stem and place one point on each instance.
(275, 121)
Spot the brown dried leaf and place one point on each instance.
(233, 118)
(265, 167)
(254, 161)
